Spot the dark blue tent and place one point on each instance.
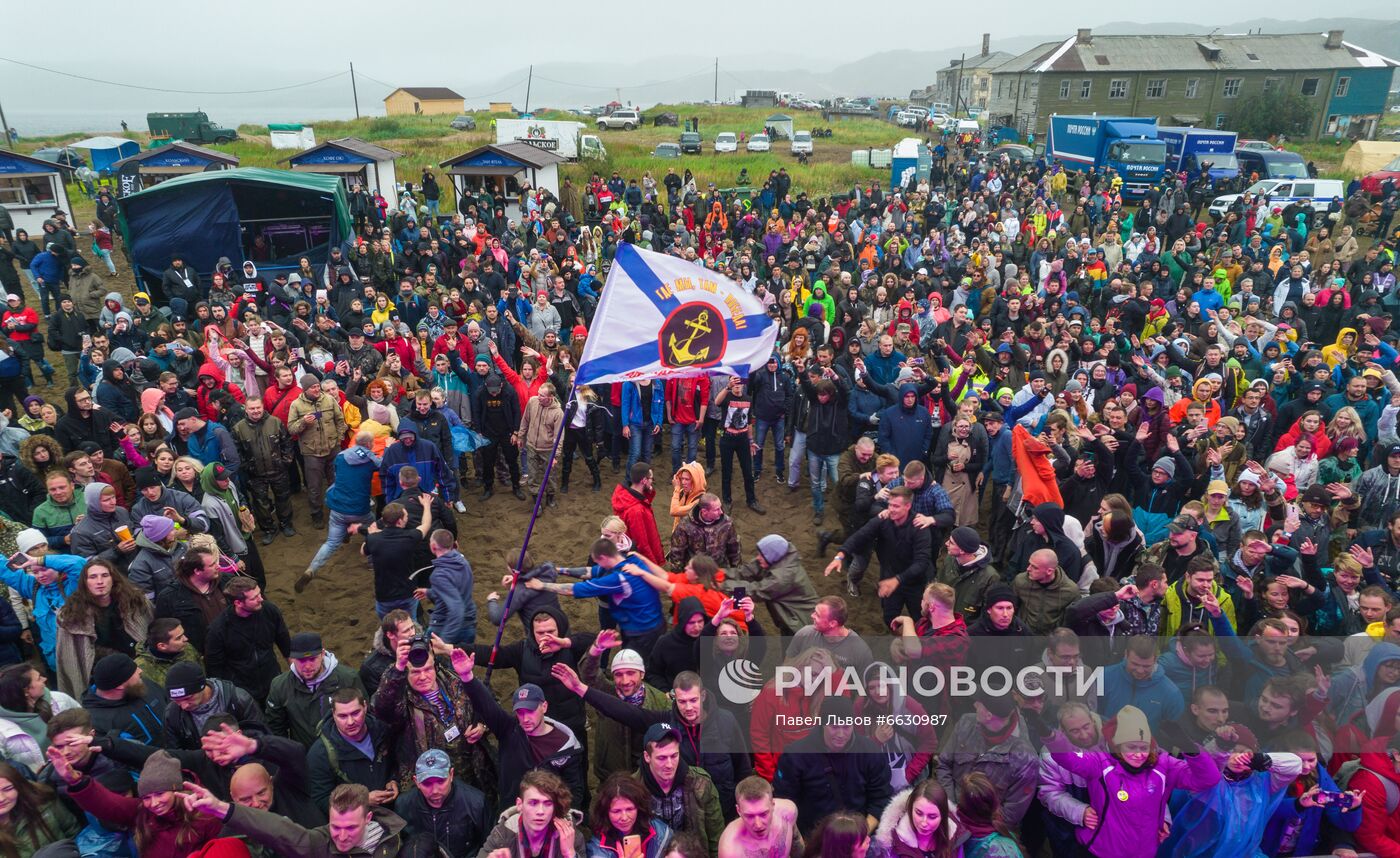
(272, 217)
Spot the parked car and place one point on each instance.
(910, 118)
(464, 123)
(726, 141)
(626, 119)
(691, 142)
(1272, 163)
(1315, 192)
(801, 142)
(1017, 153)
(758, 143)
(666, 150)
(64, 157)
(1371, 183)
(1261, 145)
(661, 119)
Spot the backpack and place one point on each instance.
(1392, 789)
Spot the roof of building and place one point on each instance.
(178, 146)
(429, 93)
(524, 153)
(349, 144)
(990, 61)
(1265, 51)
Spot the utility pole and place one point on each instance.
(957, 84)
(5, 129)
(354, 90)
(716, 80)
(529, 82)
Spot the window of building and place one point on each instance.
(1193, 86)
(1157, 87)
(1118, 88)
(1332, 122)
(1343, 86)
(1064, 89)
(1086, 88)
(1309, 86)
(1219, 120)
(1271, 83)
(29, 190)
(1232, 87)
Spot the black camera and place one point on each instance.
(420, 649)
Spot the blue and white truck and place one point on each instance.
(1126, 145)
(1188, 149)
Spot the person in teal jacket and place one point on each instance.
(46, 580)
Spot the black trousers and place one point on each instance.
(578, 440)
(907, 598)
(731, 445)
(271, 500)
(501, 448)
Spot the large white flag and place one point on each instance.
(662, 317)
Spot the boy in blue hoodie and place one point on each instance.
(450, 587)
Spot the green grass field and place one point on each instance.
(428, 140)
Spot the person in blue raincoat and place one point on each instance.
(47, 581)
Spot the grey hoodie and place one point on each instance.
(450, 586)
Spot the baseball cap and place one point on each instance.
(432, 763)
(1182, 523)
(528, 696)
(656, 733)
(306, 645)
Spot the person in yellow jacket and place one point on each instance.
(1195, 598)
(1345, 346)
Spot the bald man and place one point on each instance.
(252, 786)
(1045, 591)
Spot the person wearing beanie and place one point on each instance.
(123, 702)
(195, 699)
(966, 567)
(835, 767)
(265, 447)
(46, 581)
(158, 550)
(777, 578)
(993, 740)
(1159, 493)
(156, 812)
(1128, 778)
(153, 498)
(316, 421)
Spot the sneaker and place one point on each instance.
(460, 507)
(551, 502)
(757, 507)
(817, 518)
(486, 495)
(303, 580)
(288, 530)
(518, 492)
(853, 589)
(267, 537)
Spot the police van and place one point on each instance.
(1317, 193)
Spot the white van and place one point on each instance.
(1315, 192)
(802, 142)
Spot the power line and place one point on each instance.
(175, 91)
(705, 71)
(465, 97)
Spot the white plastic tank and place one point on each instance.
(860, 157)
(880, 158)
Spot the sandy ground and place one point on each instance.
(339, 603)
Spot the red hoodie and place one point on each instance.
(637, 514)
(207, 409)
(1379, 831)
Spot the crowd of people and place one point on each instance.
(1058, 431)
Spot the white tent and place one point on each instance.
(781, 124)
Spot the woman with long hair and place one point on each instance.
(26, 705)
(31, 817)
(917, 821)
(980, 816)
(105, 614)
(159, 822)
(622, 810)
(840, 835)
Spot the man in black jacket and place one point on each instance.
(82, 423)
(66, 329)
(20, 490)
(833, 768)
(195, 700)
(337, 756)
(905, 551)
(123, 703)
(496, 414)
(181, 283)
(528, 739)
(772, 390)
(241, 639)
(440, 807)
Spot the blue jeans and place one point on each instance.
(382, 608)
(336, 534)
(761, 430)
(797, 457)
(822, 470)
(106, 257)
(685, 435)
(639, 446)
(433, 210)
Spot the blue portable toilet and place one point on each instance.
(912, 159)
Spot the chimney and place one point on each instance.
(1085, 37)
(1334, 39)
(986, 44)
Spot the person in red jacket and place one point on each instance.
(632, 504)
(526, 383)
(686, 402)
(1378, 779)
(19, 324)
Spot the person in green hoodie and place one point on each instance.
(32, 818)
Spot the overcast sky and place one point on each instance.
(258, 43)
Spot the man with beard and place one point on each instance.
(124, 703)
(298, 698)
(266, 451)
(81, 422)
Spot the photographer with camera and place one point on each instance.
(425, 705)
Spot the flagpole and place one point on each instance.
(529, 529)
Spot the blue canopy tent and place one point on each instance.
(107, 151)
(272, 217)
